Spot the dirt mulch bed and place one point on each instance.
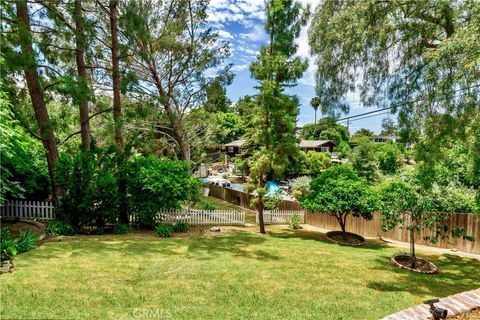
(346, 238)
(422, 266)
(16, 226)
(471, 315)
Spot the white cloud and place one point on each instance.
(240, 67)
(224, 34)
(257, 34)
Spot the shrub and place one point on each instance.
(295, 221)
(364, 160)
(272, 201)
(181, 226)
(121, 228)
(164, 231)
(300, 186)
(316, 162)
(26, 241)
(11, 247)
(8, 245)
(205, 205)
(390, 157)
(60, 228)
(154, 184)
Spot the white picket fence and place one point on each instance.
(202, 217)
(280, 216)
(24, 209)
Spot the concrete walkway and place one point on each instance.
(406, 245)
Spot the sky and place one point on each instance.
(241, 22)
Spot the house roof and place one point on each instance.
(314, 143)
(236, 143)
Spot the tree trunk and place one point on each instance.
(117, 107)
(260, 205)
(412, 248)
(342, 221)
(82, 76)
(36, 95)
(315, 115)
(182, 139)
(117, 111)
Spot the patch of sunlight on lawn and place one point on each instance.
(283, 275)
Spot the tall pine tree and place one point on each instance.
(275, 113)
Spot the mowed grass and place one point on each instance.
(237, 275)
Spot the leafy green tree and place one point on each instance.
(325, 129)
(315, 103)
(155, 184)
(415, 211)
(411, 54)
(340, 192)
(362, 133)
(274, 116)
(173, 48)
(23, 170)
(216, 93)
(316, 162)
(364, 160)
(19, 55)
(390, 157)
(343, 150)
(389, 127)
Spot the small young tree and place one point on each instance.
(390, 157)
(415, 211)
(364, 160)
(340, 192)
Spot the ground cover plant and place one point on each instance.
(287, 274)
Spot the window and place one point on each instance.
(230, 149)
(324, 149)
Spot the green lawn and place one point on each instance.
(239, 275)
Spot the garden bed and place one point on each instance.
(346, 238)
(422, 266)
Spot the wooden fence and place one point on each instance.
(280, 216)
(373, 228)
(243, 199)
(22, 209)
(202, 217)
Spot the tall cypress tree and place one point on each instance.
(275, 113)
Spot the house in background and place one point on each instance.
(235, 147)
(383, 139)
(317, 145)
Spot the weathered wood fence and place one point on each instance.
(373, 228)
(23, 209)
(243, 199)
(280, 216)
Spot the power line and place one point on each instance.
(396, 105)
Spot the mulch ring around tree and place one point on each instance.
(345, 238)
(422, 266)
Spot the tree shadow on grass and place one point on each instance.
(239, 244)
(198, 247)
(456, 274)
(321, 237)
